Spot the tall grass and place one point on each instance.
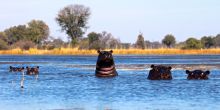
(76, 51)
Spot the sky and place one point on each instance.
(124, 19)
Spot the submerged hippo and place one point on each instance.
(105, 66)
(32, 70)
(197, 74)
(160, 72)
(16, 69)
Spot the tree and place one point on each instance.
(3, 37)
(114, 43)
(192, 43)
(207, 42)
(16, 33)
(73, 20)
(217, 40)
(24, 44)
(3, 45)
(37, 31)
(93, 37)
(169, 40)
(140, 44)
(108, 41)
(94, 40)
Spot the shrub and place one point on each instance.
(24, 44)
(3, 45)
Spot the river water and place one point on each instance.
(69, 83)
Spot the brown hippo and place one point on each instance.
(105, 66)
(160, 72)
(197, 74)
(16, 69)
(32, 70)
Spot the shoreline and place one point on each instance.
(75, 51)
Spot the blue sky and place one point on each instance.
(125, 19)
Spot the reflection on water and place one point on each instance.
(68, 82)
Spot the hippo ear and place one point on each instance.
(169, 67)
(98, 51)
(152, 66)
(111, 51)
(207, 72)
(187, 71)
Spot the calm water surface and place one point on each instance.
(68, 82)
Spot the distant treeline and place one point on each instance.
(73, 20)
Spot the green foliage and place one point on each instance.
(16, 33)
(3, 36)
(140, 44)
(93, 37)
(169, 40)
(207, 42)
(37, 31)
(217, 41)
(73, 20)
(3, 45)
(192, 43)
(94, 40)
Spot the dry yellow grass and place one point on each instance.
(76, 51)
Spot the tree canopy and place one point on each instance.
(140, 43)
(37, 31)
(192, 43)
(94, 40)
(207, 42)
(73, 20)
(169, 40)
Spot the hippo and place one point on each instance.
(197, 74)
(32, 70)
(105, 66)
(16, 69)
(160, 72)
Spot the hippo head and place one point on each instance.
(32, 70)
(105, 66)
(105, 58)
(160, 72)
(197, 74)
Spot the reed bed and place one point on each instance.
(76, 51)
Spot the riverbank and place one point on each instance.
(75, 51)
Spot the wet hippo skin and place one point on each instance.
(160, 72)
(16, 69)
(197, 74)
(105, 66)
(32, 70)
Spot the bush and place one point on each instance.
(192, 43)
(3, 45)
(24, 45)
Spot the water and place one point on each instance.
(68, 82)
